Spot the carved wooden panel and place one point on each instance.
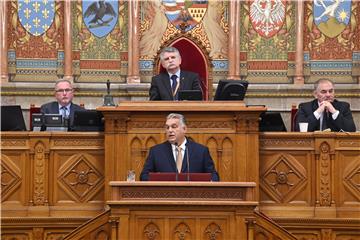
(347, 183)
(80, 177)
(180, 225)
(285, 177)
(11, 177)
(307, 235)
(16, 236)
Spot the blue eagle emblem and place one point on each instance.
(36, 16)
(100, 17)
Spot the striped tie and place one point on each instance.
(174, 84)
(179, 159)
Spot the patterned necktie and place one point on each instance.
(179, 159)
(64, 111)
(173, 84)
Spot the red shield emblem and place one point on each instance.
(267, 16)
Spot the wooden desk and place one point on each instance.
(182, 210)
(310, 175)
(52, 174)
(305, 178)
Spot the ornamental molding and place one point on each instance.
(190, 194)
(79, 142)
(40, 159)
(286, 142)
(13, 143)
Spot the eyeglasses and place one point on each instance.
(66, 90)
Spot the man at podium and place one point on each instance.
(178, 154)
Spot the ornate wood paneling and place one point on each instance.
(313, 174)
(157, 210)
(50, 174)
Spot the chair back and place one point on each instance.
(32, 110)
(294, 110)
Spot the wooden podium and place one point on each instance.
(182, 210)
(229, 129)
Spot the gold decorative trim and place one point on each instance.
(145, 94)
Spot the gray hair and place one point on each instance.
(177, 116)
(168, 49)
(63, 80)
(322, 80)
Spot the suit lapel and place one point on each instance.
(166, 82)
(187, 155)
(315, 106)
(182, 80)
(55, 108)
(170, 156)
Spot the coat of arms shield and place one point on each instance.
(36, 16)
(331, 16)
(267, 16)
(185, 14)
(101, 16)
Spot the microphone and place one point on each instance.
(176, 160)
(187, 162)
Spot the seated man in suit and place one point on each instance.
(166, 85)
(63, 105)
(325, 112)
(171, 156)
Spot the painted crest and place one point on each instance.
(331, 16)
(185, 14)
(100, 17)
(36, 16)
(267, 16)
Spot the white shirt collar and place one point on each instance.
(177, 74)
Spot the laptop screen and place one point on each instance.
(171, 176)
(12, 118)
(88, 120)
(190, 95)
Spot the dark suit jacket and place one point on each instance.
(161, 159)
(343, 122)
(53, 108)
(160, 88)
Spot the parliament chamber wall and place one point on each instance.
(308, 184)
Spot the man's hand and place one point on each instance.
(326, 106)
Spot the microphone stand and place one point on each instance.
(177, 170)
(187, 162)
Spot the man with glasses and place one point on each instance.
(63, 105)
(325, 112)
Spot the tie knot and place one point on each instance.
(173, 77)
(178, 148)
